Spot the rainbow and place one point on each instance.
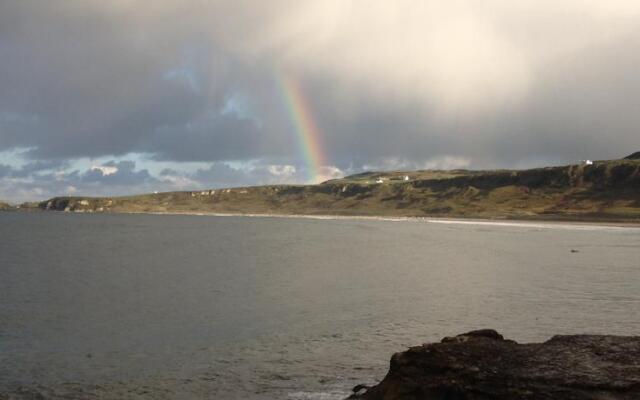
(308, 136)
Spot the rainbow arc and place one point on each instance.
(307, 133)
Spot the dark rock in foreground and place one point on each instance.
(482, 365)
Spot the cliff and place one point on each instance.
(482, 365)
(607, 190)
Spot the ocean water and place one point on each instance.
(200, 307)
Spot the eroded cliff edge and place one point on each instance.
(482, 365)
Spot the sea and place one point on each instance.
(108, 306)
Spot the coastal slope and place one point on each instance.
(602, 190)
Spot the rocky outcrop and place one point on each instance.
(634, 156)
(75, 204)
(482, 365)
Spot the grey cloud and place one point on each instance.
(31, 168)
(5, 170)
(78, 81)
(123, 177)
(124, 174)
(214, 137)
(584, 108)
(169, 172)
(220, 174)
(38, 181)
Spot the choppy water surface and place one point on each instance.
(148, 306)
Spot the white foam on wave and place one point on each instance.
(333, 395)
(536, 225)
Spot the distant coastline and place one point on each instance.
(596, 192)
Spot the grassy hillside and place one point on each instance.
(604, 190)
(5, 206)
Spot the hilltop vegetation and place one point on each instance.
(603, 190)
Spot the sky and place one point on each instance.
(130, 96)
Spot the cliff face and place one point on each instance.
(605, 189)
(601, 175)
(482, 365)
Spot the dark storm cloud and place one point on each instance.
(214, 137)
(219, 173)
(5, 170)
(390, 84)
(81, 80)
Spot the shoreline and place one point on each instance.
(538, 223)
